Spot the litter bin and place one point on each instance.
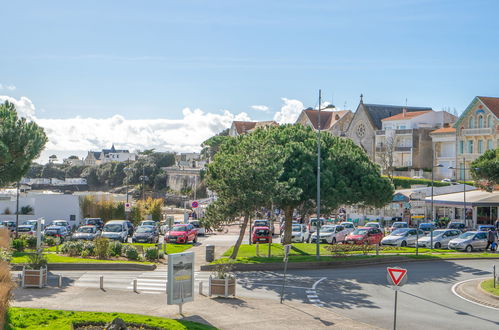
(210, 253)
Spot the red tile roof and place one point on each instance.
(243, 127)
(444, 130)
(492, 103)
(328, 118)
(406, 115)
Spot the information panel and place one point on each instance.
(180, 278)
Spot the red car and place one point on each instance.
(182, 234)
(261, 235)
(364, 235)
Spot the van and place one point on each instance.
(116, 230)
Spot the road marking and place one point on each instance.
(317, 282)
(468, 300)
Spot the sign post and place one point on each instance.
(195, 204)
(180, 285)
(128, 207)
(396, 277)
(287, 247)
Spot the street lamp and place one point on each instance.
(432, 170)
(464, 185)
(143, 178)
(318, 230)
(127, 171)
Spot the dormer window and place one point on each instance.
(472, 122)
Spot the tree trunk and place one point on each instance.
(288, 220)
(240, 238)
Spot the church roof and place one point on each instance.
(243, 127)
(328, 118)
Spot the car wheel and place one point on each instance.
(438, 245)
(333, 241)
(195, 240)
(403, 244)
(469, 248)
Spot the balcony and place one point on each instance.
(403, 149)
(404, 131)
(380, 132)
(476, 131)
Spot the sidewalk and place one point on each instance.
(230, 313)
(222, 243)
(471, 290)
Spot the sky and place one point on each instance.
(170, 74)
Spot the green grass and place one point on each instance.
(32, 318)
(488, 285)
(170, 248)
(22, 258)
(305, 252)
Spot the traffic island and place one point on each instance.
(472, 291)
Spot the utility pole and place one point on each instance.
(318, 240)
(17, 210)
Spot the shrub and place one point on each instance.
(102, 248)
(84, 253)
(6, 286)
(50, 241)
(115, 249)
(131, 252)
(31, 241)
(89, 248)
(72, 248)
(18, 244)
(5, 254)
(151, 253)
(36, 261)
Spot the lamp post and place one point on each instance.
(432, 184)
(464, 185)
(127, 171)
(318, 230)
(17, 210)
(143, 178)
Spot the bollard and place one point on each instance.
(201, 288)
(494, 276)
(257, 249)
(60, 281)
(135, 285)
(377, 249)
(210, 253)
(102, 282)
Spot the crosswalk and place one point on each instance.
(147, 282)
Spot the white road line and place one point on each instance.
(317, 282)
(468, 300)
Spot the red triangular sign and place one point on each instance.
(396, 274)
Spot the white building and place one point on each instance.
(109, 155)
(444, 149)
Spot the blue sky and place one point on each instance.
(152, 59)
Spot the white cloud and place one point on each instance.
(289, 111)
(8, 87)
(260, 107)
(24, 106)
(78, 135)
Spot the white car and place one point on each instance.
(469, 241)
(198, 226)
(330, 234)
(373, 225)
(402, 237)
(62, 223)
(312, 224)
(349, 226)
(299, 233)
(441, 238)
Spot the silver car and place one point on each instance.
(299, 234)
(330, 234)
(402, 237)
(348, 225)
(469, 241)
(441, 238)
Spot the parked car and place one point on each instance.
(457, 225)
(60, 232)
(148, 223)
(330, 234)
(146, 234)
(427, 227)
(441, 238)
(26, 230)
(299, 233)
(9, 224)
(486, 227)
(349, 226)
(469, 241)
(373, 224)
(312, 224)
(398, 224)
(87, 233)
(198, 226)
(62, 223)
(364, 235)
(402, 237)
(265, 223)
(131, 227)
(182, 233)
(116, 230)
(93, 222)
(261, 235)
(33, 223)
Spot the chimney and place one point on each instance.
(404, 111)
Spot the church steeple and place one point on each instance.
(361, 98)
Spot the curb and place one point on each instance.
(456, 290)
(326, 264)
(95, 266)
(486, 292)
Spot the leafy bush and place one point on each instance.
(115, 249)
(151, 253)
(102, 248)
(161, 254)
(131, 252)
(18, 244)
(89, 248)
(5, 255)
(84, 253)
(72, 248)
(404, 182)
(36, 261)
(31, 241)
(50, 241)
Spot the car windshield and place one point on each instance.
(360, 231)
(456, 225)
(259, 223)
(467, 235)
(86, 230)
(145, 230)
(347, 225)
(400, 232)
(148, 223)
(262, 232)
(179, 228)
(399, 225)
(439, 232)
(375, 225)
(30, 222)
(91, 222)
(113, 228)
(24, 229)
(296, 228)
(195, 224)
(327, 229)
(59, 223)
(52, 230)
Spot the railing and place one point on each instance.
(403, 148)
(380, 132)
(404, 131)
(477, 131)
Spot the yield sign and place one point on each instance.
(396, 275)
